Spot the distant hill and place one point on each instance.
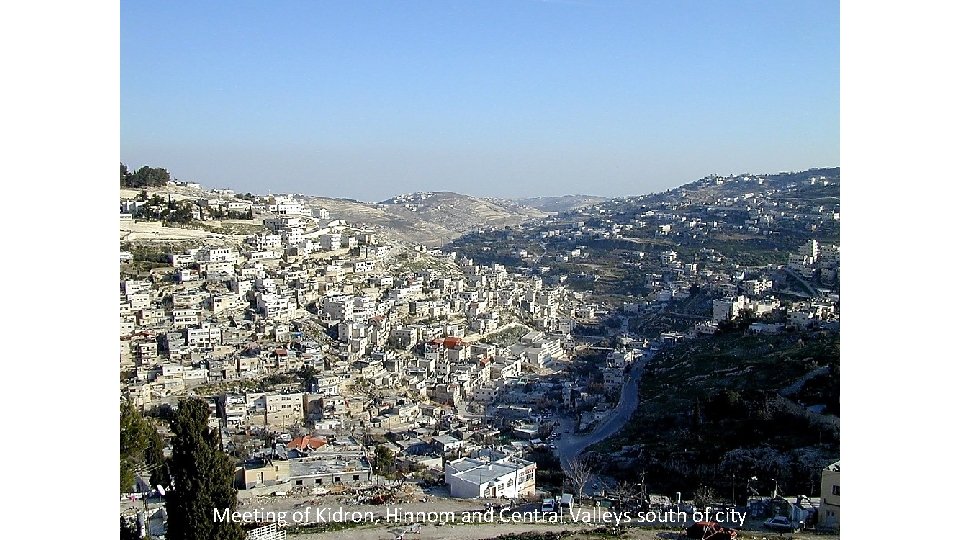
(803, 185)
(559, 204)
(429, 218)
(752, 219)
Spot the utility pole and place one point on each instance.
(146, 517)
(734, 488)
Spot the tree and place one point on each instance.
(124, 175)
(579, 474)
(143, 177)
(307, 374)
(623, 492)
(141, 446)
(202, 479)
(178, 212)
(383, 461)
(703, 496)
(128, 530)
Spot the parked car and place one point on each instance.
(780, 524)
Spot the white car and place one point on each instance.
(780, 524)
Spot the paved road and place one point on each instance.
(806, 285)
(569, 446)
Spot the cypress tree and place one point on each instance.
(202, 479)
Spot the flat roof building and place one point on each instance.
(510, 477)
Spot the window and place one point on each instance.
(356, 477)
(299, 482)
(836, 490)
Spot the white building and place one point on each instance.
(829, 514)
(206, 337)
(728, 309)
(275, 306)
(216, 255)
(283, 223)
(471, 478)
(262, 242)
(182, 318)
(283, 410)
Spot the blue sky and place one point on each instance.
(494, 98)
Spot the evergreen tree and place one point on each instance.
(124, 175)
(202, 479)
(383, 461)
(140, 445)
(128, 530)
(144, 176)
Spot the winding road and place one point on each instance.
(571, 445)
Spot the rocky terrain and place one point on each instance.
(560, 204)
(432, 218)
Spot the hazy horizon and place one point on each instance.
(382, 199)
(509, 99)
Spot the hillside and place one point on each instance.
(560, 204)
(715, 407)
(735, 404)
(432, 218)
(749, 220)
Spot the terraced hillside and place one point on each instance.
(736, 405)
(431, 219)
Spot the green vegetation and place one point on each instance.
(141, 446)
(616, 268)
(823, 389)
(384, 463)
(266, 384)
(586, 366)
(144, 177)
(147, 253)
(507, 336)
(212, 212)
(307, 374)
(128, 529)
(321, 527)
(718, 407)
(550, 475)
(406, 263)
(202, 477)
(230, 227)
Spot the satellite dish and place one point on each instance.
(161, 490)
